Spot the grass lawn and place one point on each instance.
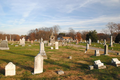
(74, 69)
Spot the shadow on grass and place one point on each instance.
(65, 66)
(20, 54)
(18, 64)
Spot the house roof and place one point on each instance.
(66, 37)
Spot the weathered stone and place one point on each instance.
(56, 45)
(22, 41)
(10, 69)
(111, 42)
(91, 67)
(60, 72)
(99, 65)
(115, 62)
(70, 57)
(52, 39)
(4, 45)
(104, 41)
(38, 64)
(97, 53)
(97, 41)
(51, 47)
(118, 53)
(89, 41)
(87, 47)
(16, 45)
(42, 51)
(106, 50)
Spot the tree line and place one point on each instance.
(45, 33)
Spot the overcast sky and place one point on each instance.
(20, 16)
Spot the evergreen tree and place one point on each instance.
(117, 39)
(92, 35)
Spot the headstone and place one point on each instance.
(87, 47)
(106, 50)
(70, 57)
(111, 42)
(118, 53)
(56, 45)
(104, 41)
(97, 41)
(10, 69)
(38, 64)
(52, 39)
(91, 67)
(31, 41)
(60, 72)
(22, 41)
(51, 47)
(97, 53)
(77, 41)
(89, 41)
(4, 45)
(115, 62)
(99, 65)
(6, 38)
(42, 51)
(16, 45)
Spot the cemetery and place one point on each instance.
(57, 62)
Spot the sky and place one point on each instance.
(20, 16)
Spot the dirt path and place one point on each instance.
(94, 48)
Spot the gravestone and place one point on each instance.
(52, 39)
(56, 45)
(97, 53)
(97, 41)
(106, 50)
(111, 42)
(104, 41)
(70, 57)
(87, 47)
(10, 69)
(6, 38)
(31, 41)
(89, 41)
(38, 64)
(60, 72)
(51, 47)
(22, 41)
(42, 51)
(91, 67)
(4, 45)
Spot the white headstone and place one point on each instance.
(104, 41)
(97, 53)
(56, 45)
(38, 64)
(87, 47)
(42, 51)
(22, 41)
(111, 42)
(10, 69)
(89, 41)
(6, 38)
(97, 41)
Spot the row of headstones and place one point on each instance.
(99, 65)
(97, 51)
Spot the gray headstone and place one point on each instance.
(4, 45)
(106, 50)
